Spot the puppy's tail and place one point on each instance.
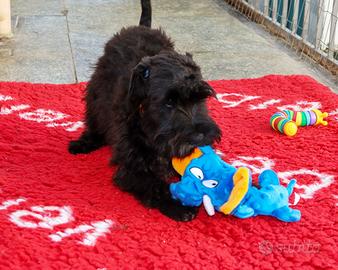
(145, 19)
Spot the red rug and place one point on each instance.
(59, 211)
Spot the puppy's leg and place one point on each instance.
(153, 192)
(176, 210)
(88, 142)
(92, 138)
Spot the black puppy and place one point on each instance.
(148, 103)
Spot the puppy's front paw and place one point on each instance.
(76, 147)
(178, 212)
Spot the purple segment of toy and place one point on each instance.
(313, 118)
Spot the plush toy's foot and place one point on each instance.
(243, 211)
(268, 177)
(287, 214)
(290, 186)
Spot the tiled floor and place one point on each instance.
(59, 41)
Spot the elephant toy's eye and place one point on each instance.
(197, 172)
(210, 183)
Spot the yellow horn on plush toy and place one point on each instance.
(180, 164)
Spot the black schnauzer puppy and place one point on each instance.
(149, 104)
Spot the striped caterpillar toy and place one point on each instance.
(287, 121)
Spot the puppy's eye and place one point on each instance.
(146, 73)
(197, 172)
(210, 183)
(169, 104)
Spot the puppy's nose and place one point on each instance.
(199, 137)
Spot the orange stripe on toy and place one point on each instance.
(180, 164)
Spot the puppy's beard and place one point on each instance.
(184, 150)
(181, 144)
(170, 148)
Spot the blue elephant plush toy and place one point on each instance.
(208, 180)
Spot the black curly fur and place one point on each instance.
(148, 103)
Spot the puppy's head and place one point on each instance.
(169, 96)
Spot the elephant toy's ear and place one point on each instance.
(180, 164)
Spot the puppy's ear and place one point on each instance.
(189, 55)
(139, 82)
